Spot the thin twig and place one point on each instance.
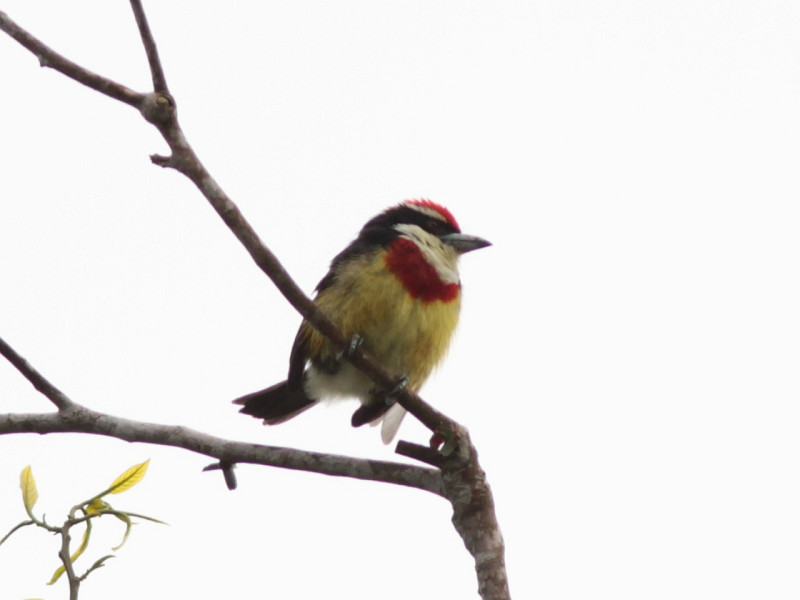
(50, 58)
(149, 43)
(74, 580)
(421, 453)
(38, 381)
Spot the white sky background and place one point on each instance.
(627, 360)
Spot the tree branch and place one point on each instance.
(80, 419)
(69, 569)
(50, 58)
(157, 71)
(163, 115)
(463, 481)
(159, 109)
(74, 418)
(38, 381)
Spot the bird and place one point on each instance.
(395, 292)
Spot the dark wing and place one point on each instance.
(298, 359)
(371, 237)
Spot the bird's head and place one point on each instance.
(423, 242)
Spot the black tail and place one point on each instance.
(367, 413)
(275, 404)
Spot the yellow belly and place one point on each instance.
(408, 336)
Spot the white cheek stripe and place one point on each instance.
(439, 255)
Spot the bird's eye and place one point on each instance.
(435, 226)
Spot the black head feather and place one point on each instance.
(380, 232)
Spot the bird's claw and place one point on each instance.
(444, 442)
(400, 385)
(354, 344)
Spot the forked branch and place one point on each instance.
(74, 418)
(459, 478)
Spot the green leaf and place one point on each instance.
(129, 478)
(29, 492)
(128, 524)
(16, 527)
(98, 563)
(152, 519)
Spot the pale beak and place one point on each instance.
(464, 243)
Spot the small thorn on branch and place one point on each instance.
(161, 161)
(227, 472)
(421, 453)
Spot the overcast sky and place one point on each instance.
(627, 359)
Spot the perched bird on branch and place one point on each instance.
(395, 290)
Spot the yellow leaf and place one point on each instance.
(96, 505)
(28, 485)
(85, 542)
(59, 572)
(129, 478)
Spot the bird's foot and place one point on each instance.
(379, 404)
(354, 344)
(400, 385)
(437, 441)
(444, 442)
